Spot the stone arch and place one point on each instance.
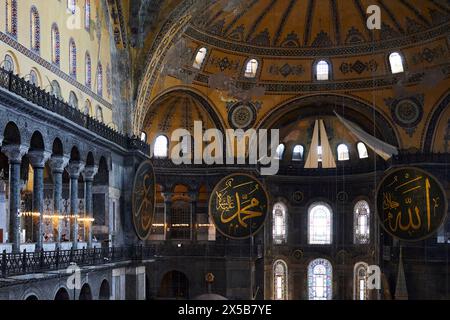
(62, 294)
(85, 292)
(105, 292)
(37, 141)
(174, 284)
(11, 134)
(90, 161)
(57, 147)
(431, 129)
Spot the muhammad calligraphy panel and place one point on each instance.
(143, 202)
(411, 204)
(238, 206)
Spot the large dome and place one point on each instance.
(248, 25)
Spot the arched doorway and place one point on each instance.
(85, 292)
(62, 294)
(174, 285)
(104, 291)
(31, 297)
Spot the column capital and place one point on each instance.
(75, 168)
(15, 152)
(90, 172)
(58, 163)
(38, 158)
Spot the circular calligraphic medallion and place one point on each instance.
(242, 116)
(238, 206)
(411, 204)
(143, 201)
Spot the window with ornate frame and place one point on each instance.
(320, 224)
(320, 280)
(72, 58)
(56, 45)
(11, 18)
(343, 153)
(322, 70)
(100, 79)
(8, 63)
(280, 280)
(87, 14)
(35, 30)
(361, 222)
(360, 275)
(88, 67)
(279, 232)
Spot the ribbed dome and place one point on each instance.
(315, 23)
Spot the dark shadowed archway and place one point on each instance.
(174, 285)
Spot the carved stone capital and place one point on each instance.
(90, 172)
(75, 168)
(58, 163)
(15, 152)
(38, 158)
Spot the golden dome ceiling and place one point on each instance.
(312, 23)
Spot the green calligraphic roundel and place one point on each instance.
(143, 200)
(411, 204)
(238, 206)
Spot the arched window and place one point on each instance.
(320, 280)
(35, 32)
(319, 224)
(100, 79)
(298, 152)
(360, 291)
(362, 150)
(8, 63)
(200, 58)
(279, 223)
(34, 78)
(87, 14)
(56, 89)
(73, 58)
(251, 68)
(322, 71)
(280, 151)
(396, 62)
(343, 153)
(361, 222)
(87, 108)
(99, 113)
(56, 45)
(71, 6)
(143, 136)
(280, 283)
(161, 147)
(11, 18)
(73, 100)
(88, 67)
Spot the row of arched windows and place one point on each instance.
(35, 40)
(320, 280)
(320, 223)
(322, 68)
(343, 153)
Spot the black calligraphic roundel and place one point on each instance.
(143, 202)
(411, 204)
(238, 206)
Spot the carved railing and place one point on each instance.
(48, 101)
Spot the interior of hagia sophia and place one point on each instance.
(92, 89)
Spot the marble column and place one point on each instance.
(38, 158)
(57, 165)
(14, 153)
(193, 203)
(74, 168)
(89, 174)
(167, 214)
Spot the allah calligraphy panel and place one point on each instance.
(411, 204)
(143, 204)
(238, 206)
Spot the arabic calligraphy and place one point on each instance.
(411, 204)
(238, 206)
(143, 199)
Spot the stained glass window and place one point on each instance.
(322, 70)
(320, 280)
(361, 213)
(73, 58)
(279, 223)
(34, 78)
(35, 32)
(251, 68)
(88, 68)
(56, 45)
(108, 80)
(319, 224)
(298, 152)
(343, 153)
(396, 62)
(199, 58)
(87, 14)
(362, 150)
(280, 283)
(161, 147)
(11, 18)
(8, 63)
(73, 100)
(360, 290)
(100, 79)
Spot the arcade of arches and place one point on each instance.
(83, 106)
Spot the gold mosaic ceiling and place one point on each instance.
(314, 23)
